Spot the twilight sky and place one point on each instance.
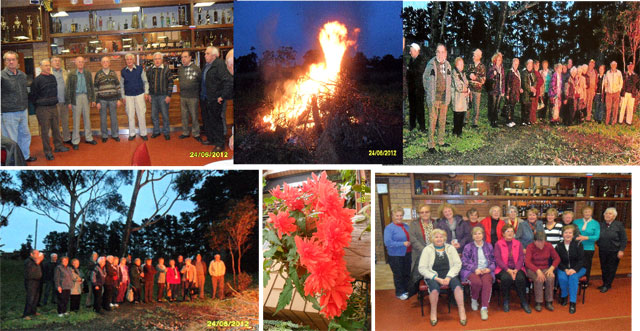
(267, 25)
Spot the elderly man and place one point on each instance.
(629, 94)
(79, 93)
(160, 88)
(477, 75)
(63, 112)
(592, 82)
(98, 279)
(44, 95)
(201, 271)
(216, 86)
(47, 279)
(92, 264)
(217, 270)
(437, 84)
(612, 86)
(32, 277)
(415, 69)
(107, 98)
(15, 103)
(189, 75)
(134, 88)
(228, 60)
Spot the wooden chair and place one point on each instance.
(423, 291)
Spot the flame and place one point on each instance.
(320, 79)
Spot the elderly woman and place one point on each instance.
(76, 291)
(419, 237)
(440, 265)
(572, 97)
(514, 89)
(63, 282)
(397, 241)
(496, 86)
(587, 232)
(460, 96)
(581, 89)
(570, 269)
(567, 217)
(510, 268)
(458, 231)
(612, 242)
(474, 218)
(553, 229)
(540, 271)
(490, 224)
(173, 279)
(478, 266)
(532, 220)
(556, 93)
(98, 278)
(123, 273)
(523, 233)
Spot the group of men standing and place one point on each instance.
(56, 91)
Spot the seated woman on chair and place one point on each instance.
(509, 256)
(440, 265)
(571, 267)
(478, 267)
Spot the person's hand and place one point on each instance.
(98, 106)
(540, 277)
(70, 107)
(93, 104)
(59, 289)
(549, 273)
(472, 76)
(620, 254)
(123, 101)
(406, 243)
(521, 90)
(570, 272)
(97, 288)
(220, 99)
(167, 99)
(446, 281)
(486, 270)
(507, 97)
(581, 238)
(439, 280)
(513, 273)
(147, 97)
(118, 103)
(478, 272)
(142, 274)
(456, 245)
(565, 102)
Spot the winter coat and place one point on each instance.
(529, 80)
(500, 252)
(162, 273)
(173, 275)
(218, 83)
(572, 259)
(524, 233)
(112, 275)
(613, 81)
(32, 270)
(514, 84)
(98, 276)
(72, 83)
(631, 84)
(63, 277)
(470, 259)
(496, 80)
(135, 272)
(428, 258)
(460, 91)
(570, 88)
(201, 269)
(77, 277)
(481, 76)
(189, 271)
(48, 270)
(592, 79)
(149, 273)
(429, 81)
(14, 91)
(415, 69)
(463, 231)
(554, 91)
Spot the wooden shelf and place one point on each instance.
(169, 50)
(510, 197)
(213, 26)
(26, 42)
(118, 32)
(143, 4)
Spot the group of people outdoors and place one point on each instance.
(453, 251)
(108, 281)
(55, 92)
(563, 93)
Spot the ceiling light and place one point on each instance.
(60, 14)
(433, 181)
(203, 4)
(478, 181)
(437, 189)
(473, 189)
(130, 9)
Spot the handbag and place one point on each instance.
(130, 295)
(540, 103)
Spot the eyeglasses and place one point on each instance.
(425, 212)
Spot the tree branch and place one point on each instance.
(524, 6)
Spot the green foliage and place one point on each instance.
(275, 325)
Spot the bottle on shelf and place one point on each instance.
(110, 23)
(126, 25)
(154, 21)
(161, 19)
(215, 17)
(199, 15)
(173, 19)
(222, 44)
(134, 21)
(91, 26)
(605, 190)
(181, 16)
(168, 23)
(208, 17)
(100, 23)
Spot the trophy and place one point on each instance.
(5, 30)
(200, 16)
(39, 29)
(134, 21)
(29, 27)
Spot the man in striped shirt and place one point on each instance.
(160, 88)
(107, 98)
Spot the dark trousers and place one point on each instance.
(136, 293)
(148, 292)
(97, 299)
(48, 120)
(174, 291)
(524, 112)
(492, 112)
(568, 112)
(63, 301)
(75, 302)
(401, 268)
(506, 282)
(510, 108)
(49, 289)
(160, 292)
(609, 265)
(107, 297)
(213, 123)
(598, 108)
(588, 259)
(416, 109)
(205, 117)
(458, 122)
(32, 288)
(187, 287)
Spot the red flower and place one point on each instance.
(334, 301)
(310, 251)
(290, 195)
(283, 223)
(334, 234)
(322, 276)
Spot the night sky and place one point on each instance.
(269, 25)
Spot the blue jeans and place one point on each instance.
(570, 283)
(15, 126)
(110, 106)
(158, 105)
(598, 108)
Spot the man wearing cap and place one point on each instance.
(415, 88)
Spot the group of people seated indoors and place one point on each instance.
(560, 93)
(56, 92)
(109, 281)
(451, 251)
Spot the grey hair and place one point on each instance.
(94, 253)
(478, 50)
(105, 57)
(573, 69)
(215, 50)
(129, 55)
(158, 53)
(613, 210)
(529, 60)
(415, 46)
(102, 258)
(44, 60)
(510, 208)
(53, 254)
(4, 56)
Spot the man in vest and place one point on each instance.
(134, 89)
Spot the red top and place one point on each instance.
(536, 258)
(406, 234)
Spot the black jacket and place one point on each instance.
(612, 237)
(573, 259)
(44, 91)
(32, 271)
(219, 83)
(415, 69)
(48, 270)
(160, 80)
(136, 279)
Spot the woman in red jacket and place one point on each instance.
(490, 224)
(173, 279)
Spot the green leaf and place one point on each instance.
(293, 256)
(267, 202)
(314, 302)
(265, 276)
(293, 273)
(269, 254)
(285, 296)
(271, 236)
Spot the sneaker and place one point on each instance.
(66, 314)
(474, 304)
(511, 124)
(404, 296)
(60, 315)
(111, 305)
(484, 314)
(116, 305)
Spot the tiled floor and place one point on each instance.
(384, 277)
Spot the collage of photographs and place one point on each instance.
(318, 165)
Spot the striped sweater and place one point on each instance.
(107, 85)
(160, 80)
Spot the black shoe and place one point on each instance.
(91, 142)
(505, 306)
(155, 135)
(208, 143)
(182, 136)
(563, 301)
(604, 289)
(167, 137)
(218, 149)
(198, 138)
(537, 307)
(474, 126)
(131, 138)
(49, 157)
(104, 140)
(432, 150)
(445, 145)
(31, 159)
(68, 142)
(76, 147)
(549, 306)
(61, 149)
(526, 308)
(600, 287)
(572, 308)
(145, 138)
(116, 139)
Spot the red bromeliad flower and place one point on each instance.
(283, 223)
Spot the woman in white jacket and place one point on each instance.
(440, 265)
(460, 96)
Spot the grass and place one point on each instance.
(159, 316)
(541, 144)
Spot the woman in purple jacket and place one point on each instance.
(478, 266)
(458, 231)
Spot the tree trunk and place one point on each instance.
(71, 249)
(233, 263)
(81, 232)
(239, 261)
(435, 12)
(504, 7)
(444, 20)
(132, 208)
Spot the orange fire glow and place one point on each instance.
(320, 79)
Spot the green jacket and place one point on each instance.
(72, 82)
(528, 80)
